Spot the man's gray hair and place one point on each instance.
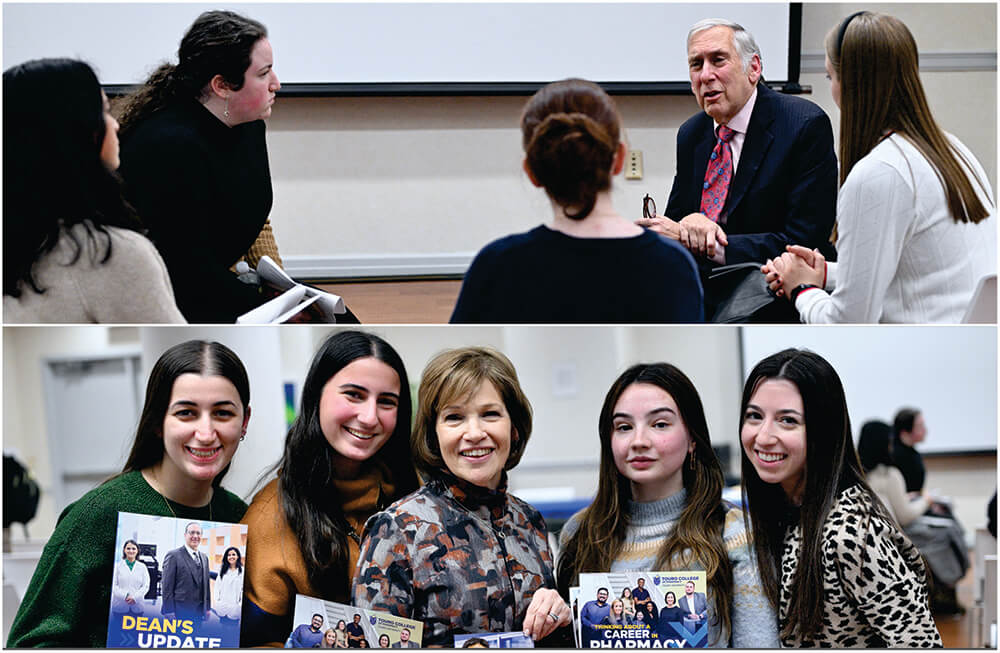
(745, 44)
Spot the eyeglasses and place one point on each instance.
(648, 207)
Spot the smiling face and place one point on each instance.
(670, 599)
(254, 99)
(718, 79)
(358, 409)
(474, 436)
(617, 607)
(689, 588)
(201, 430)
(404, 635)
(774, 435)
(331, 638)
(131, 551)
(649, 441)
(602, 596)
(192, 536)
(317, 622)
(232, 558)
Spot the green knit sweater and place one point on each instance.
(69, 598)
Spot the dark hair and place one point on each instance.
(903, 421)
(307, 469)
(831, 467)
(191, 357)
(570, 132)
(875, 445)
(454, 374)
(876, 60)
(669, 594)
(53, 175)
(697, 536)
(316, 614)
(475, 641)
(132, 542)
(217, 43)
(380, 639)
(225, 561)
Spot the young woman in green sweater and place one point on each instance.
(194, 417)
(659, 505)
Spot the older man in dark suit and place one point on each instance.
(185, 579)
(756, 170)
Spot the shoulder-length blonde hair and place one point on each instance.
(875, 58)
(453, 375)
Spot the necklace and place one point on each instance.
(167, 503)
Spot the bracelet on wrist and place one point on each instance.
(797, 290)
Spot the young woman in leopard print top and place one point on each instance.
(832, 561)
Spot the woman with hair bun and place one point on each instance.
(589, 264)
(194, 159)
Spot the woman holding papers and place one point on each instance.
(914, 228)
(195, 415)
(73, 250)
(461, 554)
(659, 505)
(589, 264)
(833, 563)
(346, 457)
(194, 159)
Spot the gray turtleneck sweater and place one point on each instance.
(755, 624)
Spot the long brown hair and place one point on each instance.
(697, 537)
(875, 58)
(832, 466)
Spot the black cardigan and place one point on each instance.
(204, 191)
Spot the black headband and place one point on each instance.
(843, 30)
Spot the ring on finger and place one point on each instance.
(554, 616)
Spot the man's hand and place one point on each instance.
(664, 226)
(702, 235)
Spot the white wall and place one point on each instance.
(565, 372)
(404, 185)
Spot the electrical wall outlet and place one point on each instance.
(633, 166)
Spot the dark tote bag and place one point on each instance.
(738, 294)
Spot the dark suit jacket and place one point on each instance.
(785, 188)
(185, 588)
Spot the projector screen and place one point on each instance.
(376, 45)
(948, 373)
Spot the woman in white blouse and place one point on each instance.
(914, 229)
(228, 596)
(130, 581)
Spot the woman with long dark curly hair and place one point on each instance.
(194, 159)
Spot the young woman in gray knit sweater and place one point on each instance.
(659, 505)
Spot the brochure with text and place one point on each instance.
(644, 609)
(177, 583)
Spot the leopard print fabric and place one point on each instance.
(874, 588)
